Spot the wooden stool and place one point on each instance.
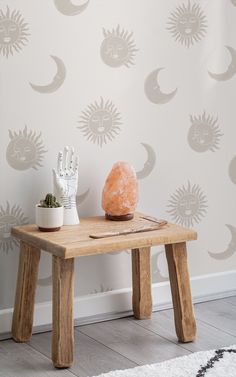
(74, 241)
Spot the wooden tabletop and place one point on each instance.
(73, 240)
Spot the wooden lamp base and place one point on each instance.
(49, 229)
(127, 217)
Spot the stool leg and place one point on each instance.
(22, 322)
(185, 323)
(141, 276)
(63, 296)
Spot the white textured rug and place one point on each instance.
(215, 363)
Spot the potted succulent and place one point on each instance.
(49, 214)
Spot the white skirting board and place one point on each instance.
(117, 304)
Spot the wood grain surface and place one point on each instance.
(185, 323)
(23, 314)
(142, 285)
(72, 241)
(63, 321)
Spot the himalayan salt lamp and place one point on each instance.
(120, 193)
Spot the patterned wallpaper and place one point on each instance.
(152, 83)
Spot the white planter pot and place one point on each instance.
(49, 219)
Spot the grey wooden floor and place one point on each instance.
(122, 343)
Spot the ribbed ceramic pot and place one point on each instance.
(49, 219)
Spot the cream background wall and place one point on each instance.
(176, 126)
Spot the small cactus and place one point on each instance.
(50, 201)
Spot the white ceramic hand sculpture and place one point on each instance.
(66, 183)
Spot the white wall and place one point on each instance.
(192, 155)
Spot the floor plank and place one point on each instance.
(123, 343)
(231, 300)
(91, 358)
(20, 360)
(208, 337)
(218, 313)
(138, 344)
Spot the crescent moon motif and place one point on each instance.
(149, 164)
(231, 249)
(57, 80)
(159, 272)
(82, 197)
(227, 75)
(232, 170)
(45, 282)
(68, 9)
(153, 91)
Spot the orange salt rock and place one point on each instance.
(120, 193)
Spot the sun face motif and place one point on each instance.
(10, 217)
(100, 122)
(187, 24)
(102, 289)
(187, 205)
(118, 48)
(13, 32)
(25, 150)
(204, 133)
